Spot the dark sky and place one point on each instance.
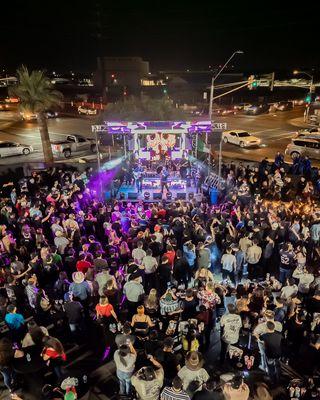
(65, 35)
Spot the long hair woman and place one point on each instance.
(151, 303)
(141, 324)
(53, 353)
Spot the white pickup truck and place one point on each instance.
(73, 143)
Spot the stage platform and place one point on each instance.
(152, 195)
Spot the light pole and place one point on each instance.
(214, 77)
(296, 72)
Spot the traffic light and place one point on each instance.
(308, 98)
(252, 82)
(165, 91)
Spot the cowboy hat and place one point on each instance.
(78, 277)
(194, 360)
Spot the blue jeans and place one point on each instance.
(7, 374)
(124, 381)
(263, 359)
(284, 275)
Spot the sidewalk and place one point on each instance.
(299, 122)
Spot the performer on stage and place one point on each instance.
(164, 179)
(138, 174)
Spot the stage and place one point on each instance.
(130, 192)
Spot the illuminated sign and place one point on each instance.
(147, 127)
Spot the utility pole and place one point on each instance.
(272, 82)
(214, 77)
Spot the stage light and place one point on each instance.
(146, 195)
(112, 163)
(169, 196)
(190, 195)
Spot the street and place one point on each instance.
(274, 130)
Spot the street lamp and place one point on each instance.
(214, 77)
(296, 72)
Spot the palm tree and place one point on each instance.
(36, 96)
(143, 109)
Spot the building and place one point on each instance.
(121, 74)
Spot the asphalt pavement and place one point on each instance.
(274, 130)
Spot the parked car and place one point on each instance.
(256, 109)
(298, 102)
(242, 106)
(309, 133)
(304, 147)
(87, 111)
(283, 105)
(12, 149)
(240, 138)
(52, 114)
(229, 111)
(314, 119)
(72, 144)
(217, 111)
(27, 116)
(4, 106)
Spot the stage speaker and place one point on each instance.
(157, 196)
(132, 196)
(107, 195)
(181, 196)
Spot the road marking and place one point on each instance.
(265, 130)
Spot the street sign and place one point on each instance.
(205, 95)
(220, 126)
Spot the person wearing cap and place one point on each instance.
(125, 358)
(148, 381)
(79, 287)
(193, 371)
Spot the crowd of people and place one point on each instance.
(190, 300)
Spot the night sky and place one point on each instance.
(68, 35)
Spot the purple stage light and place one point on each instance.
(151, 126)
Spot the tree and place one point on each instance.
(143, 109)
(37, 95)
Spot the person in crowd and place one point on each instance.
(193, 372)
(161, 276)
(125, 358)
(148, 381)
(237, 389)
(53, 354)
(174, 391)
(134, 290)
(230, 328)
